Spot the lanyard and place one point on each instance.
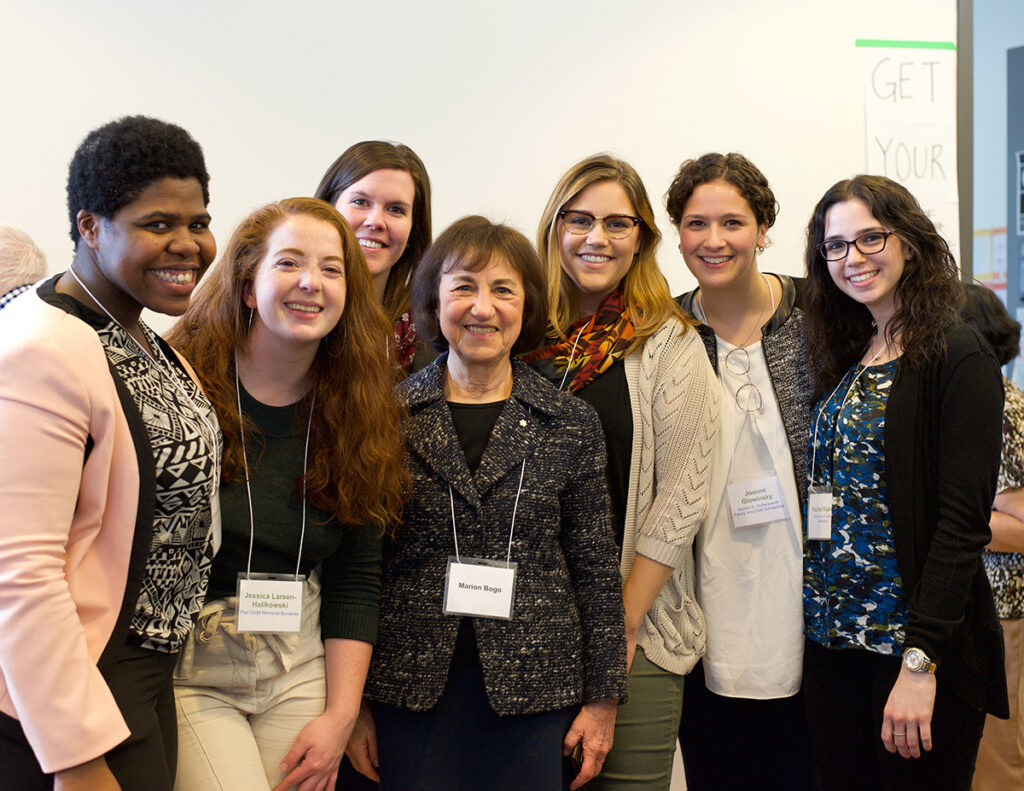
(248, 487)
(512, 527)
(165, 369)
(821, 410)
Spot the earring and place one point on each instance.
(251, 312)
(761, 248)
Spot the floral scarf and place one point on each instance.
(589, 348)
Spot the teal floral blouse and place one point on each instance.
(853, 592)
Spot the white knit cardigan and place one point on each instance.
(675, 399)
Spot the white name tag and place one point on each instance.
(819, 513)
(268, 603)
(479, 587)
(756, 501)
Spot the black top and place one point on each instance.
(609, 395)
(473, 425)
(350, 556)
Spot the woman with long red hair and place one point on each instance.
(288, 341)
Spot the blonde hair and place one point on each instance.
(21, 262)
(645, 289)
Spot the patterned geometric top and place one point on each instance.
(1006, 569)
(184, 453)
(853, 592)
(8, 297)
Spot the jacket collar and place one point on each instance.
(782, 312)
(430, 432)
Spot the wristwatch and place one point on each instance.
(917, 661)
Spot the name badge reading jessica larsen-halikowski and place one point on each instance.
(479, 587)
(269, 603)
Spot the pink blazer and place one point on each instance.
(67, 531)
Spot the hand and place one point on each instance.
(594, 727)
(314, 758)
(907, 721)
(93, 775)
(362, 745)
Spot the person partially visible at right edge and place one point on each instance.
(749, 557)
(1001, 755)
(617, 340)
(904, 653)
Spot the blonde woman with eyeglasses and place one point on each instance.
(619, 342)
(750, 551)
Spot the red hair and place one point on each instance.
(356, 470)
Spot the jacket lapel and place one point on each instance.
(519, 429)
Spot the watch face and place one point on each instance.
(914, 659)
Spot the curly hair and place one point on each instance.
(927, 296)
(471, 244)
(645, 288)
(21, 261)
(120, 159)
(355, 440)
(733, 168)
(984, 311)
(358, 161)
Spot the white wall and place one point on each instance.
(498, 99)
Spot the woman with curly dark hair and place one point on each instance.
(109, 475)
(382, 189)
(904, 454)
(288, 340)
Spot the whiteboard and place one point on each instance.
(497, 98)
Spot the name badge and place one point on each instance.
(270, 603)
(819, 513)
(479, 587)
(756, 501)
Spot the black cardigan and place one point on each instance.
(943, 433)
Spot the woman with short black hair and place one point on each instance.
(108, 484)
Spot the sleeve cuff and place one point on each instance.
(661, 551)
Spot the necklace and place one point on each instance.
(757, 319)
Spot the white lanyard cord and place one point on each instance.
(512, 527)
(214, 481)
(814, 444)
(248, 488)
(572, 352)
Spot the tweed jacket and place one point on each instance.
(782, 339)
(565, 644)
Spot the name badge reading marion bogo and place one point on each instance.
(479, 587)
(269, 605)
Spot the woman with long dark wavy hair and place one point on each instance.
(382, 189)
(903, 654)
(288, 340)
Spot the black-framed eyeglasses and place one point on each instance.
(867, 243)
(616, 226)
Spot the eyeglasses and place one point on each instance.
(616, 226)
(867, 243)
(748, 397)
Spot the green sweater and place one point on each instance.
(349, 557)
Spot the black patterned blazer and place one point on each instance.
(565, 644)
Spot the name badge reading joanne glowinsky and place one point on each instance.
(269, 603)
(479, 587)
(756, 501)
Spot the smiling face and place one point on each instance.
(379, 209)
(480, 313)
(719, 236)
(868, 279)
(298, 292)
(151, 253)
(595, 263)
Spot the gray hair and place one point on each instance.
(21, 262)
